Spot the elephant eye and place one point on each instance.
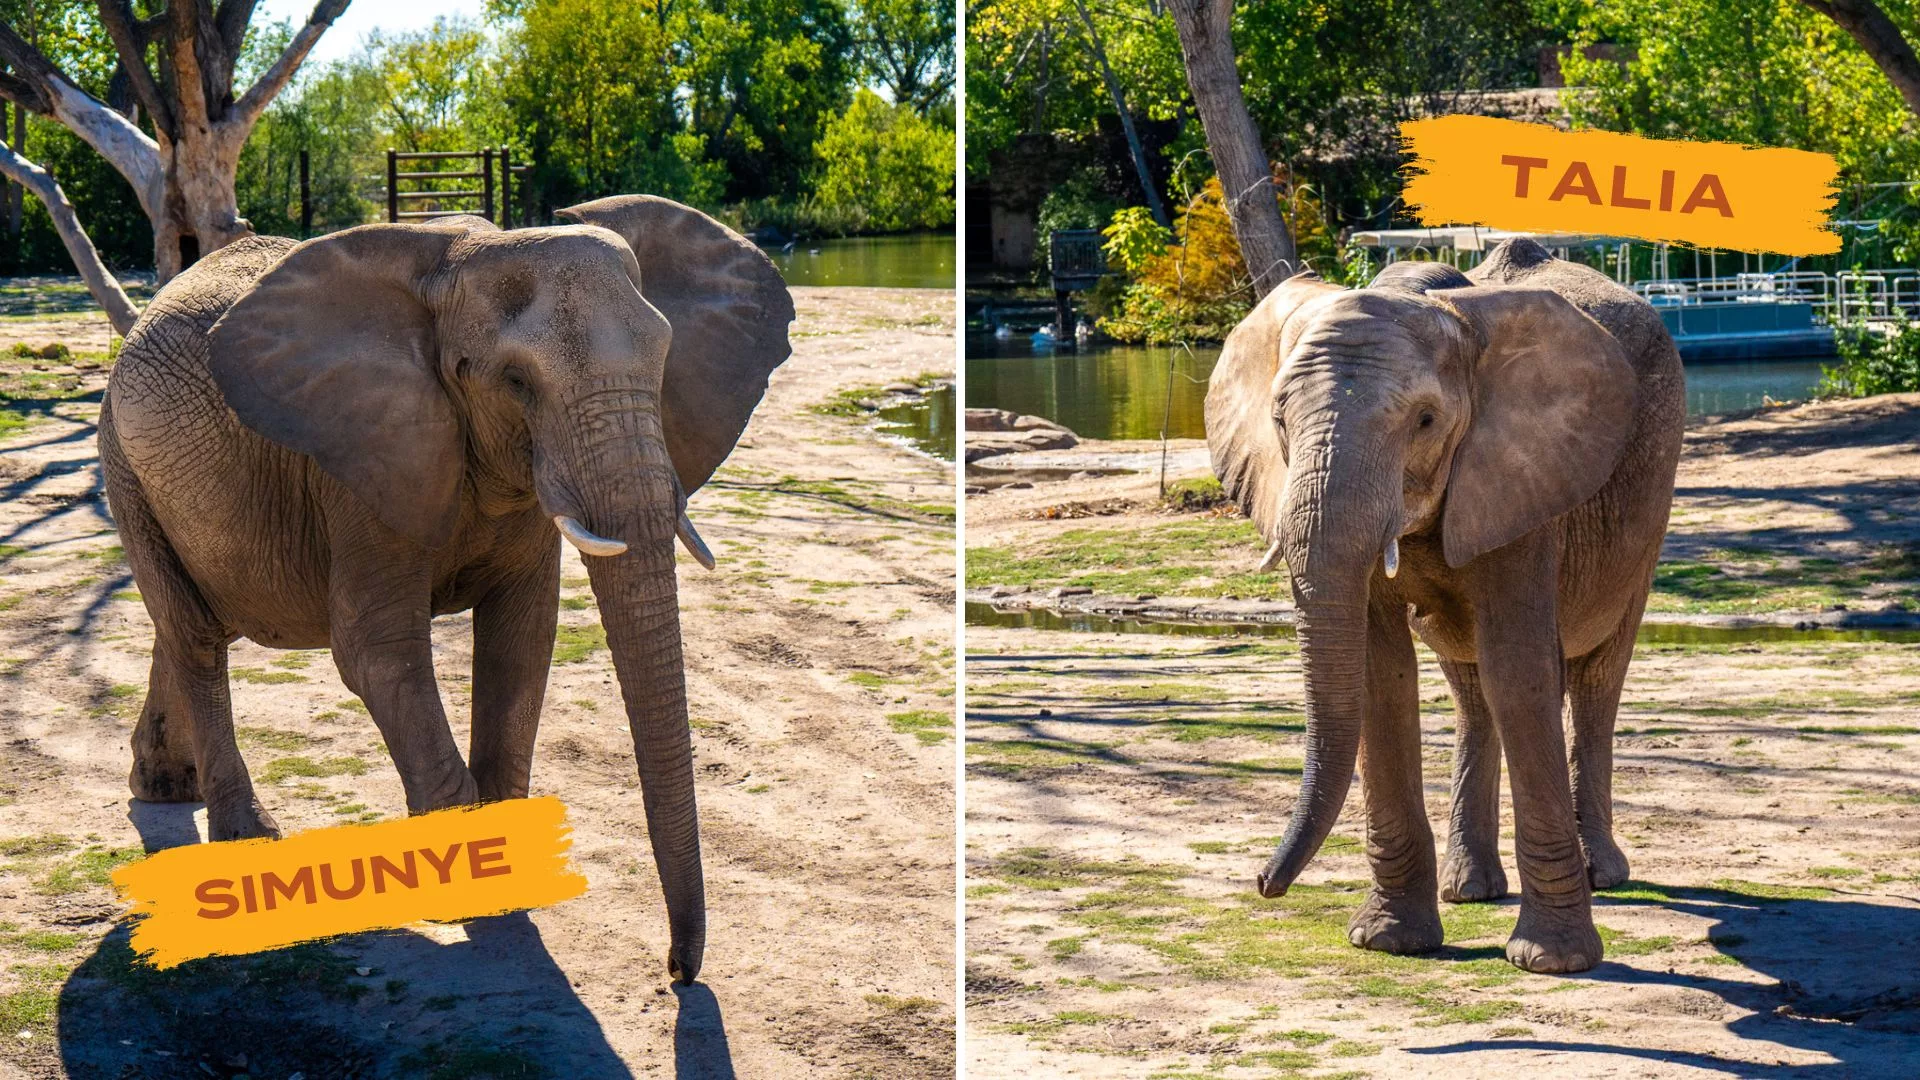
(516, 381)
(1426, 419)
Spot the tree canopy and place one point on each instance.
(756, 109)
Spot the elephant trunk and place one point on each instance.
(630, 495)
(1331, 550)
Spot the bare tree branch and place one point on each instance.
(130, 38)
(106, 291)
(247, 110)
(182, 45)
(23, 93)
(1882, 40)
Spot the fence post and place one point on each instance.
(486, 186)
(393, 196)
(306, 200)
(506, 188)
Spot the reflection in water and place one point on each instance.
(1120, 391)
(926, 422)
(1102, 392)
(913, 261)
(979, 614)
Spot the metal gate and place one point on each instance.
(468, 165)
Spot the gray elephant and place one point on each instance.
(1489, 460)
(327, 444)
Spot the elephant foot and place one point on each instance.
(164, 780)
(244, 821)
(1606, 863)
(1556, 944)
(1399, 925)
(1465, 879)
(459, 789)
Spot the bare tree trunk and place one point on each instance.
(1126, 118)
(16, 193)
(183, 175)
(1881, 39)
(1206, 45)
(106, 291)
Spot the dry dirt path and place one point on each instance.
(820, 672)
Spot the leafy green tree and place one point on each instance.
(906, 46)
(590, 89)
(1769, 73)
(764, 79)
(890, 160)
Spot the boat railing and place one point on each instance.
(1846, 296)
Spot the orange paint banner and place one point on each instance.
(1507, 174)
(244, 896)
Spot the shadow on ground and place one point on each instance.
(482, 999)
(1843, 983)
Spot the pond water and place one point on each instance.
(979, 614)
(913, 261)
(1120, 391)
(926, 423)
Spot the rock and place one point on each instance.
(990, 420)
(905, 389)
(1069, 590)
(984, 444)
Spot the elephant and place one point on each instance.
(326, 444)
(1486, 460)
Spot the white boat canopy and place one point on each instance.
(1471, 238)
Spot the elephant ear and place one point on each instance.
(1553, 396)
(729, 309)
(1241, 434)
(332, 354)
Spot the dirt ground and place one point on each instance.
(820, 672)
(1124, 788)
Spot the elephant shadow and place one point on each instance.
(483, 998)
(1842, 979)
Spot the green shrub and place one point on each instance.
(1873, 363)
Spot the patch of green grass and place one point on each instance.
(36, 847)
(288, 767)
(94, 866)
(266, 678)
(46, 941)
(1013, 756)
(868, 679)
(273, 738)
(1748, 580)
(1190, 558)
(900, 1005)
(469, 1060)
(573, 644)
(1621, 943)
(924, 724)
(1836, 873)
(1301, 1038)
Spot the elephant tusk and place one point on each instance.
(691, 540)
(1393, 556)
(1270, 560)
(587, 542)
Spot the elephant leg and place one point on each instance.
(163, 767)
(1522, 673)
(194, 675)
(513, 629)
(1402, 913)
(1472, 870)
(383, 646)
(1594, 682)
